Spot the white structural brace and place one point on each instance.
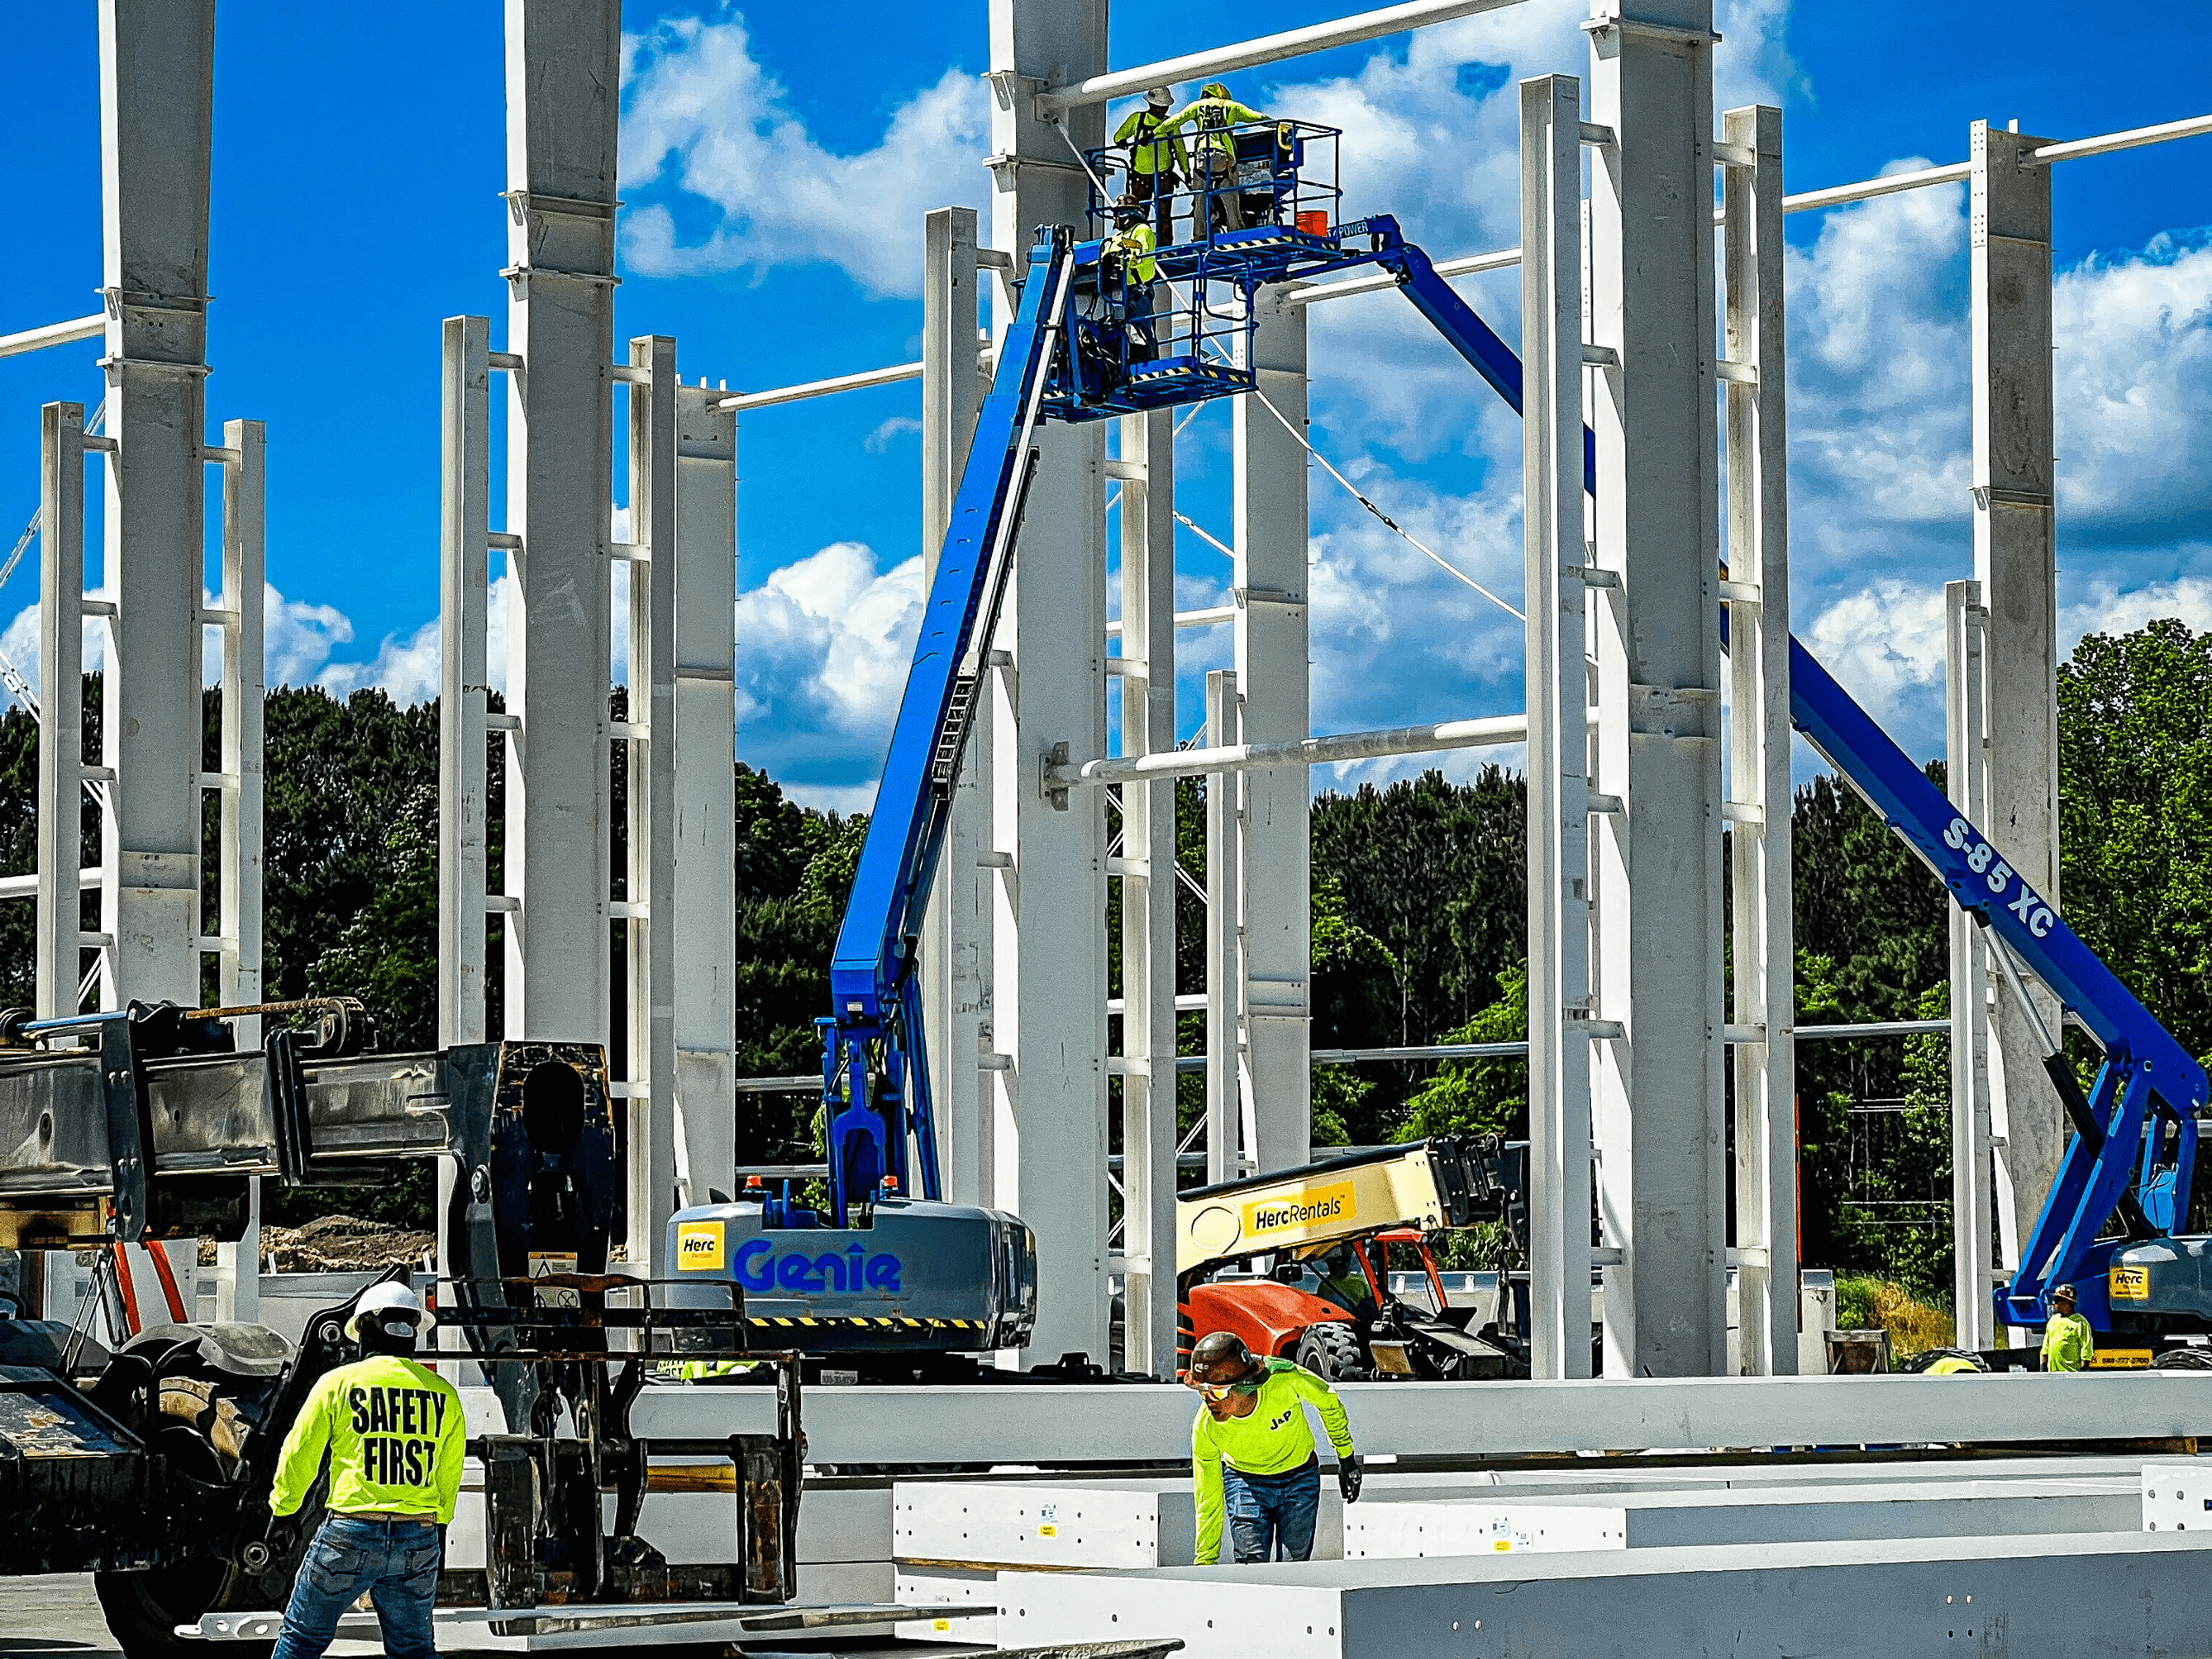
(1309, 751)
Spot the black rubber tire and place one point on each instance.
(1332, 1350)
(2184, 1359)
(143, 1610)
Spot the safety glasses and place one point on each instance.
(1223, 1390)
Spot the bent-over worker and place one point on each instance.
(394, 1435)
(1252, 1453)
(2068, 1344)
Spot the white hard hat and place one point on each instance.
(392, 1306)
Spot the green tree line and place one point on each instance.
(1418, 920)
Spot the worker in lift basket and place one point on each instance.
(1213, 158)
(1155, 162)
(394, 1435)
(2067, 1343)
(1252, 1452)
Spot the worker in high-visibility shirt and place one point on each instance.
(1210, 116)
(1128, 253)
(1156, 163)
(2068, 1344)
(1252, 1454)
(394, 1436)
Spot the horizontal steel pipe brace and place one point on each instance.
(54, 334)
(1313, 752)
(890, 376)
(1267, 48)
(1127, 1423)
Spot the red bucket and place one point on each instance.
(1313, 222)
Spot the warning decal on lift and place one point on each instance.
(548, 1264)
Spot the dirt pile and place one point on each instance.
(344, 1245)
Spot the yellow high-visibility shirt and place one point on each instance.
(1136, 243)
(1151, 150)
(1209, 119)
(1273, 1440)
(395, 1436)
(2067, 1343)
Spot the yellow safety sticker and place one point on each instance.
(699, 1247)
(1504, 1546)
(2131, 1284)
(1048, 1532)
(940, 1624)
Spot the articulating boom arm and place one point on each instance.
(873, 982)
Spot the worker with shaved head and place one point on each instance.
(1252, 1454)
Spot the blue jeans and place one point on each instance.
(396, 1561)
(1270, 1516)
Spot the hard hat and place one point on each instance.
(1213, 89)
(1158, 97)
(392, 1307)
(2063, 1293)
(1219, 1357)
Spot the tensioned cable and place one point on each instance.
(1388, 522)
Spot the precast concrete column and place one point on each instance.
(239, 617)
(1659, 1091)
(1277, 826)
(703, 884)
(1049, 976)
(1759, 798)
(2015, 561)
(956, 932)
(1558, 697)
(1227, 1157)
(649, 911)
(157, 112)
(464, 690)
(1973, 1166)
(60, 948)
(1147, 869)
(563, 73)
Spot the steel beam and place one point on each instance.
(1973, 1167)
(60, 945)
(1558, 697)
(956, 935)
(703, 884)
(1149, 881)
(1049, 986)
(563, 73)
(1226, 1157)
(1659, 1094)
(650, 957)
(465, 475)
(1272, 575)
(2014, 559)
(1759, 753)
(157, 112)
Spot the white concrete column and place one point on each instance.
(61, 709)
(464, 449)
(651, 1003)
(1049, 980)
(1557, 696)
(1148, 882)
(155, 155)
(238, 980)
(703, 877)
(1759, 767)
(956, 937)
(1273, 861)
(564, 77)
(1659, 1091)
(1227, 1155)
(2014, 560)
(1973, 1162)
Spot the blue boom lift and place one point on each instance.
(1091, 341)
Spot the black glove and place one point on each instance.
(1348, 1474)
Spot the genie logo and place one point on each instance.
(759, 1268)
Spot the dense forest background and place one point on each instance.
(1419, 922)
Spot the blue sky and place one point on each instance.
(776, 161)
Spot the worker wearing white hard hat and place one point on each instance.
(393, 1434)
(1155, 161)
